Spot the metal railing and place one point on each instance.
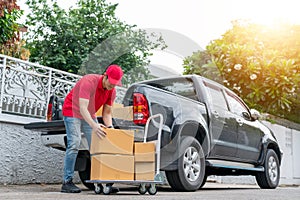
(25, 88)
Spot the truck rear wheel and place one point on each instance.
(203, 182)
(191, 166)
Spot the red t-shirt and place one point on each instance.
(88, 87)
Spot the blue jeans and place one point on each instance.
(74, 128)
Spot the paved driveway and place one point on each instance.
(211, 191)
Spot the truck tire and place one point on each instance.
(191, 167)
(203, 182)
(269, 179)
(85, 175)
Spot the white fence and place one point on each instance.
(27, 87)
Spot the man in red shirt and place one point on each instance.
(90, 93)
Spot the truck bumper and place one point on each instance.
(58, 141)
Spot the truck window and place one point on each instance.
(217, 97)
(181, 86)
(235, 105)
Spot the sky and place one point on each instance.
(191, 24)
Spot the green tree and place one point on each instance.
(201, 63)
(261, 64)
(9, 14)
(10, 43)
(87, 38)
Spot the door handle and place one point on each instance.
(240, 121)
(216, 114)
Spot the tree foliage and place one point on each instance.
(87, 38)
(201, 63)
(10, 43)
(9, 13)
(260, 63)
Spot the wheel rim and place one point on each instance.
(142, 189)
(152, 189)
(191, 164)
(107, 189)
(273, 169)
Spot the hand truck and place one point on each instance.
(144, 185)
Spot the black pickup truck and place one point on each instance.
(207, 130)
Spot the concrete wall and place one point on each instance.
(24, 159)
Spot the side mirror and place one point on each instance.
(255, 114)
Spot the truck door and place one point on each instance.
(249, 135)
(223, 129)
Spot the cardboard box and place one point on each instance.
(144, 170)
(125, 113)
(119, 111)
(115, 105)
(117, 141)
(112, 167)
(144, 152)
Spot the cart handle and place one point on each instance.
(158, 144)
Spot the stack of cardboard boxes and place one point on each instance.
(112, 156)
(118, 157)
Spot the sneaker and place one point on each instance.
(70, 187)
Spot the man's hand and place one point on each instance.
(99, 130)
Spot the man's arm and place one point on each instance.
(107, 115)
(97, 128)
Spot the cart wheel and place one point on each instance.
(152, 190)
(107, 189)
(98, 188)
(142, 188)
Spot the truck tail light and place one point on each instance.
(49, 112)
(51, 106)
(140, 109)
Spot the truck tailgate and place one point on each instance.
(58, 125)
(49, 126)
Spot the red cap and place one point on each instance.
(114, 73)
